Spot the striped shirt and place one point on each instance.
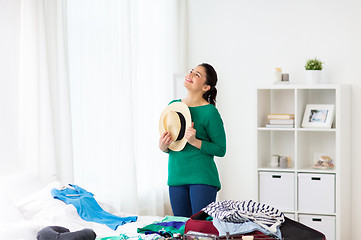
(242, 211)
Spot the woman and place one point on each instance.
(192, 173)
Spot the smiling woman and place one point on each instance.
(192, 173)
(122, 55)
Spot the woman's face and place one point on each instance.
(196, 80)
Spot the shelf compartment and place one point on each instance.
(313, 96)
(310, 144)
(274, 101)
(275, 143)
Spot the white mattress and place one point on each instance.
(21, 218)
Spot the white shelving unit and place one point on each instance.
(319, 198)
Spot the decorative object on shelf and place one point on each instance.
(283, 161)
(313, 69)
(274, 161)
(285, 78)
(281, 121)
(278, 161)
(318, 116)
(277, 75)
(289, 162)
(322, 161)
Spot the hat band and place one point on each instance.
(183, 126)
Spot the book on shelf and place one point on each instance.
(279, 125)
(282, 121)
(281, 116)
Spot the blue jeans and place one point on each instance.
(187, 200)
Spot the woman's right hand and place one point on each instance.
(164, 141)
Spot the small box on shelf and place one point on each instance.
(278, 161)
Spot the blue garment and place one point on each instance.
(242, 228)
(88, 208)
(174, 224)
(187, 200)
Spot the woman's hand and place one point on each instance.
(190, 135)
(164, 141)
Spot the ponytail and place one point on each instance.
(211, 94)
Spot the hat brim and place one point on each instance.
(177, 107)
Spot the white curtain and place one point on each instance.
(45, 146)
(122, 54)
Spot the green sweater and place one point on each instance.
(197, 166)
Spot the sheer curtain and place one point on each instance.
(122, 54)
(45, 146)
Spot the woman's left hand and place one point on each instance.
(190, 135)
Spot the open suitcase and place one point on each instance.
(291, 230)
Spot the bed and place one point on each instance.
(26, 207)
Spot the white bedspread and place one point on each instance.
(21, 219)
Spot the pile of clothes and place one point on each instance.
(239, 217)
(231, 218)
(166, 228)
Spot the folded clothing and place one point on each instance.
(166, 227)
(266, 216)
(61, 233)
(230, 228)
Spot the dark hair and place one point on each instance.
(211, 80)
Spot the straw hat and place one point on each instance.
(175, 119)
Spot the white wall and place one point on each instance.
(9, 39)
(245, 40)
